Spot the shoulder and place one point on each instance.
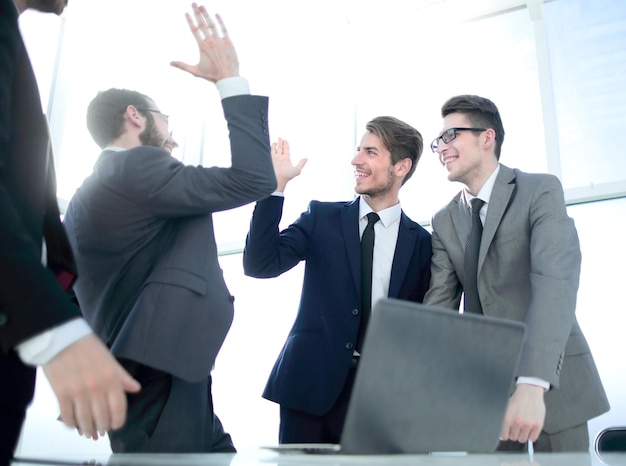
(407, 222)
(325, 206)
(522, 178)
(445, 211)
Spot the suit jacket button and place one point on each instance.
(355, 312)
(349, 346)
(3, 319)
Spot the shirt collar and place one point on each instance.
(114, 149)
(387, 216)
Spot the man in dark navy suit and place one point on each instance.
(313, 376)
(39, 323)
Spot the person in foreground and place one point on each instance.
(313, 376)
(528, 267)
(39, 323)
(142, 230)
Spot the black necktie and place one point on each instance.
(367, 259)
(470, 271)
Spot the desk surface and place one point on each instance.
(270, 458)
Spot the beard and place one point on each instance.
(48, 6)
(381, 189)
(151, 135)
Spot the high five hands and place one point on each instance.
(218, 58)
(283, 167)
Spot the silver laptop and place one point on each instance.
(429, 380)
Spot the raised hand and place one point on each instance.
(218, 58)
(283, 167)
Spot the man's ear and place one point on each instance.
(403, 167)
(133, 116)
(489, 138)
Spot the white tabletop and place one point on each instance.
(270, 458)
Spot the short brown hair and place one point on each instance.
(480, 111)
(401, 140)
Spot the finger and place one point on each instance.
(206, 17)
(183, 66)
(204, 21)
(117, 408)
(301, 164)
(534, 434)
(222, 26)
(194, 29)
(84, 418)
(101, 417)
(67, 412)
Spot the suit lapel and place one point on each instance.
(405, 246)
(350, 228)
(461, 219)
(503, 190)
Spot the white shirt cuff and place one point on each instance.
(229, 87)
(534, 381)
(41, 348)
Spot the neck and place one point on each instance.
(125, 141)
(478, 181)
(379, 203)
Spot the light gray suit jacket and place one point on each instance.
(528, 270)
(142, 231)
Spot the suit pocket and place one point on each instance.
(179, 278)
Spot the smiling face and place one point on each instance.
(377, 179)
(469, 157)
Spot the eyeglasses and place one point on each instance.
(165, 117)
(449, 135)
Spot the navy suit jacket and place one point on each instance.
(141, 226)
(31, 299)
(312, 367)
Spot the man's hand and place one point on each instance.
(283, 167)
(90, 386)
(525, 414)
(218, 58)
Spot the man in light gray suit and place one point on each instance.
(528, 270)
(142, 232)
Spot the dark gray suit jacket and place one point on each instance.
(528, 270)
(142, 231)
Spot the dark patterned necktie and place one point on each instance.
(367, 260)
(470, 269)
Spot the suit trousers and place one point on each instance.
(17, 387)
(169, 415)
(300, 427)
(575, 439)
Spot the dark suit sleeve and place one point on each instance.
(30, 299)
(165, 187)
(268, 251)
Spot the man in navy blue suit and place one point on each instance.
(313, 376)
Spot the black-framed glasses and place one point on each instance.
(449, 135)
(165, 117)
